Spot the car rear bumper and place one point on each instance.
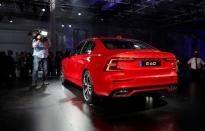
(127, 92)
(125, 87)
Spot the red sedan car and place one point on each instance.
(119, 67)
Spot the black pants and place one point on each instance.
(195, 74)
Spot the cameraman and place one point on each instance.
(40, 53)
(196, 65)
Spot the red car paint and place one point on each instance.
(121, 69)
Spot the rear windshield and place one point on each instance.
(126, 44)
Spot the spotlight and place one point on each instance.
(102, 19)
(0, 4)
(79, 14)
(63, 25)
(43, 10)
(10, 19)
(69, 26)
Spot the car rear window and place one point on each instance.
(126, 44)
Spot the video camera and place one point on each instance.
(42, 33)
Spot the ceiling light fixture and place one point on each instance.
(63, 25)
(0, 4)
(69, 26)
(79, 13)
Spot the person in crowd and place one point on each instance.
(17, 64)
(7, 74)
(50, 64)
(3, 68)
(29, 62)
(40, 53)
(10, 67)
(195, 64)
(58, 63)
(23, 65)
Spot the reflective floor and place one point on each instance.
(61, 108)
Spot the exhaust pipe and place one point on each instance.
(121, 93)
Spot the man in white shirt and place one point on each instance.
(40, 53)
(195, 63)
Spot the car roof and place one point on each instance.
(110, 38)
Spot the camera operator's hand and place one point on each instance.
(38, 41)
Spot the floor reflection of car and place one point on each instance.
(119, 67)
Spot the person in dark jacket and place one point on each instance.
(50, 64)
(10, 68)
(3, 68)
(58, 63)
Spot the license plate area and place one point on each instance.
(150, 63)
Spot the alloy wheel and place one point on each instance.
(87, 87)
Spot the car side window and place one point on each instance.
(88, 47)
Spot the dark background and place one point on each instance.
(170, 25)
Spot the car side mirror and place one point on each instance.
(89, 51)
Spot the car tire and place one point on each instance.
(88, 90)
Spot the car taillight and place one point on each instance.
(113, 63)
(173, 63)
(170, 59)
